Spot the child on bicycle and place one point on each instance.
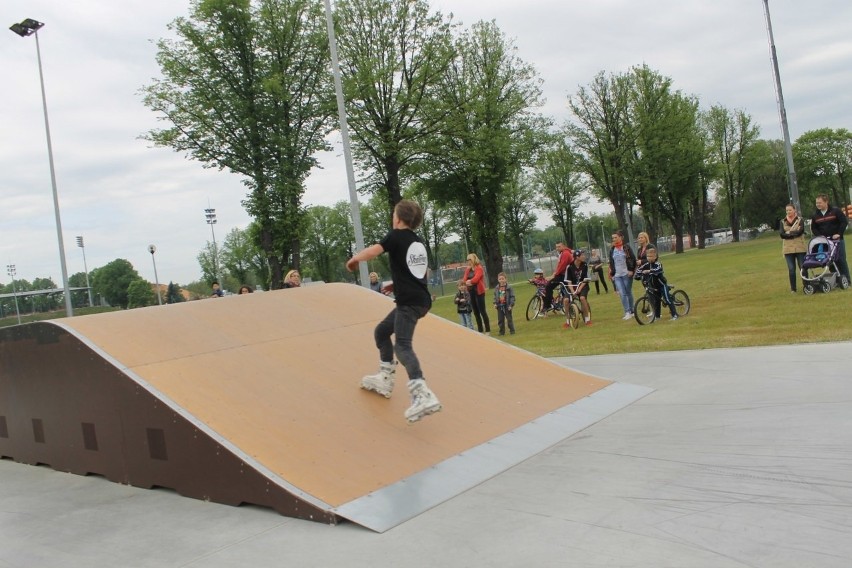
(539, 281)
(504, 301)
(463, 307)
(578, 283)
(650, 271)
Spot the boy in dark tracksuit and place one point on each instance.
(504, 301)
(657, 283)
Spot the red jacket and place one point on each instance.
(477, 280)
(566, 257)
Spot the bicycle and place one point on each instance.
(535, 307)
(643, 309)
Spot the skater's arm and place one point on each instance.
(368, 253)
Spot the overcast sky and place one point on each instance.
(122, 195)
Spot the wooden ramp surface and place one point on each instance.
(275, 376)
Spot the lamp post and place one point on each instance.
(793, 185)
(24, 29)
(86, 269)
(10, 269)
(211, 220)
(152, 249)
(604, 252)
(354, 205)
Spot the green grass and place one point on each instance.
(740, 297)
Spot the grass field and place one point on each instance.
(740, 297)
(739, 293)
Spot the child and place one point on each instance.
(462, 301)
(408, 264)
(578, 282)
(656, 282)
(539, 280)
(504, 301)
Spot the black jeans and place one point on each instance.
(600, 280)
(401, 322)
(477, 302)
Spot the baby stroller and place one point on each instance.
(819, 270)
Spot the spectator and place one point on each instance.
(577, 278)
(596, 266)
(292, 280)
(474, 279)
(830, 222)
(375, 283)
(216, 290)
(793, 247)
(463, 307)
(245, 289)
(504, 301)
(566, 257)
(642, 241)
(622, 264)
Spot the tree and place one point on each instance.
(603, 137)
(764, 202)
(328, 241)
(173, 294)
(491, 131)
(140, 294)
(518, 203)
(668, 151)
(823, 160)
(79, 298)
(246, 88)
(236, 255)
(561, 187)
(733, 138)
(393, 54)
(207, 258)
(112, 280)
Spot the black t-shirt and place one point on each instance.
(408, 265)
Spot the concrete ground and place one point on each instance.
(740, 458)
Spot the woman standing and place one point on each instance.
(596, 265)
(642, 240)
(792, 229)
(474, 279)
(292, 279)
(622, 264)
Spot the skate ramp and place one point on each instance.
(255, 399)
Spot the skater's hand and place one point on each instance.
(351, 265)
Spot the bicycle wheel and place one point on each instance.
(681, 303)
(534, 307)
(643, 311)
(575, 314)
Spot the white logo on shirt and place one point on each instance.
(417, 259)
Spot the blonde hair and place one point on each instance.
(647, 238)
(291, 273)
(376, 274)
(472, 256)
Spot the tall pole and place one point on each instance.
(24, 29)
(152, 249)
(604, 252)
(86, 269)
(793, 185)
(210, 214)
(10, 269)
(354, 205)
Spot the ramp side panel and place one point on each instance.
(96, 420)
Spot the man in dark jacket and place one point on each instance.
(830, 222)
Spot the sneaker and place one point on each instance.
(381, 382)
(566, 325)
(674, 317)
(423, 401)
(627, 316)
(589, 322)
